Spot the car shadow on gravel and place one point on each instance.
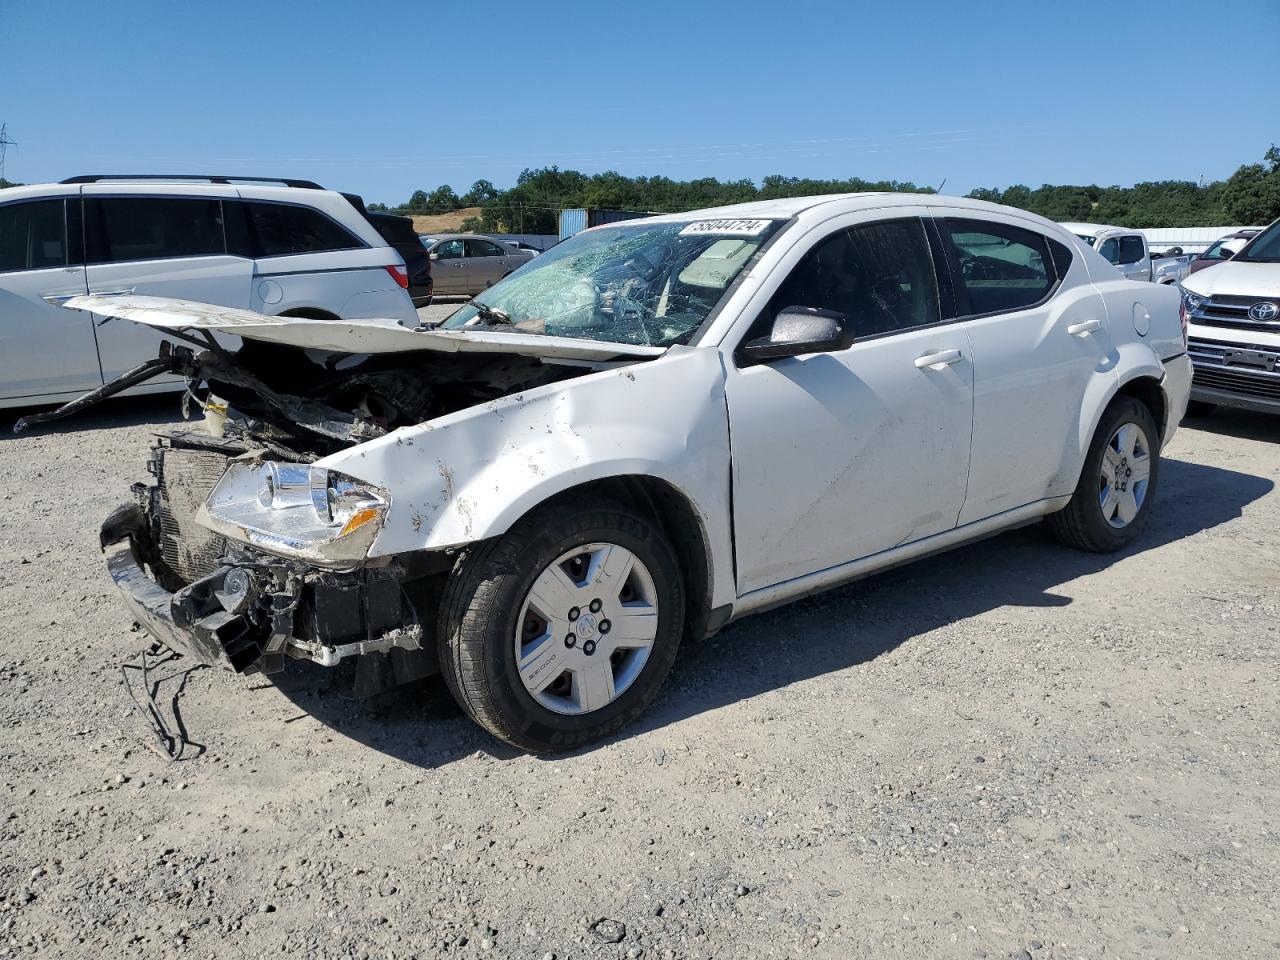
(115, 414)
(1242, 424)
(420, 724)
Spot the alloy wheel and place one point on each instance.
(586, 628)
(1126, 473)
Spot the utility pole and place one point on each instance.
(5, 143)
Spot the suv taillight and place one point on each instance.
(399, 273)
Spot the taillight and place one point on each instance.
(399, 273)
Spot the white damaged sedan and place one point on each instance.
(653, 429)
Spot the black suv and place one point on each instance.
(398, 231)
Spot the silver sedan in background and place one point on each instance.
(464, 264)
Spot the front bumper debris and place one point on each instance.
(252, 611)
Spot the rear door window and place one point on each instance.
(998, 268)
(33, 235)
(283, 229)
(122, 229)
(484, 248)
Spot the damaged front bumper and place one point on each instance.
(253, 611)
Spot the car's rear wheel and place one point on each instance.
(562, 631)
(1199, 408)
(1118, 481)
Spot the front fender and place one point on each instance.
(472, 474)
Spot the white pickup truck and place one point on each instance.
(1128, 250)
(1232, 314)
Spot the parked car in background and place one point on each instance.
(1233, 316)
(535, 497)
(398, 231)
(286, 247)
(520, 245)
(1223, 249)
(1128, 252)
(463, 264)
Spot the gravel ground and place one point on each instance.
(1011, 750)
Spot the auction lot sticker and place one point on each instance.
(727, 228)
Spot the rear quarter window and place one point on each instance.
(282, 229)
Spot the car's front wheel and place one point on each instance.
(561, 631)
(1117, 483)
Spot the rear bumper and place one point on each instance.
(1177, 392)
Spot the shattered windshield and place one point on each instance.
(637, 283)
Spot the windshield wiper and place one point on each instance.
(491, 314)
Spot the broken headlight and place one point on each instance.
(296, 510)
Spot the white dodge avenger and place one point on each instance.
(651, 430)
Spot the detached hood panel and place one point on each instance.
(347, 336)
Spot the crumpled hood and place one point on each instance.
(346, 336)
(1236, 278)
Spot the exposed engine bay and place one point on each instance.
(269, 406)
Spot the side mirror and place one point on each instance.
(433, 256)
(799, 330)
(1226, 253)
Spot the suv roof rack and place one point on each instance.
(97, 177)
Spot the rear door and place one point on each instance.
(1038, 334)
(488, 263)
(45, 350)
(171, 245)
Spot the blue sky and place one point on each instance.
(382, 98)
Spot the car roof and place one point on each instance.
(1095, 229)
(331, 202)
(822, 207)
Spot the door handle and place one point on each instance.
(1084, 327)
(936, 361)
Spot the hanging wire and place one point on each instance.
(170, 735)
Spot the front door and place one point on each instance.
(449, 270)
(46, 351)
(838, 456)
(156, 247)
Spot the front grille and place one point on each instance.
(185, 478)
(1228, 310)
(1216, 365)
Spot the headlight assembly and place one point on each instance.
(296, 510)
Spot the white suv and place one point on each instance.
(284, 247)
(1233, 312)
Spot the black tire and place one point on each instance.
(1200, 408)
(482, 602)
(1081, 523)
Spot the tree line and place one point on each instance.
(1251, 195)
